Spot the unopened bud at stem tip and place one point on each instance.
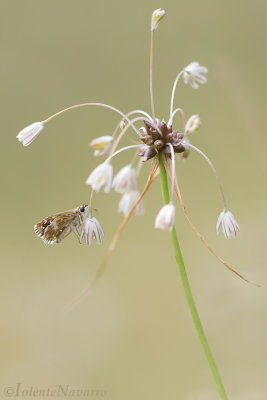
(157, 16)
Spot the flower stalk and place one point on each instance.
(187, 289)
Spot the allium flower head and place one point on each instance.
(195, 74)
(165, 217)
(28, 134)
(154, 140)
(125, 180)
(158, 137)
(91, 230)
(227, 223)
(101, 176)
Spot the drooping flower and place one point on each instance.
(101, 142)
(102, 145)
(195, 74)
(28, 134)
(165, 218)
(128, 200)
(101, 176)
(157, 16)
(125, 180)
(91, 230)
(227, 223)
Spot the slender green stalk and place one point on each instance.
(187, 289)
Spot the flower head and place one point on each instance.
(195, 74)
(227, 223)
(128, 200)
(158, 137)
(157, 16)
(165, 217)
(28, 134)
(125, 180)
(101, 176)
(91, 230)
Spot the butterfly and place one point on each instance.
(56, 227)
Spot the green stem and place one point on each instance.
(187, 289)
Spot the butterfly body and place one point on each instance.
(56, 227)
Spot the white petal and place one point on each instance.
(165, 217)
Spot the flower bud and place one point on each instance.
(165, 217)
(157, 16)
(142, 130)
(193, 124)
(122, 124)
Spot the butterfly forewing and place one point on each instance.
(57, 226)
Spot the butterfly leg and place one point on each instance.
(77, 233)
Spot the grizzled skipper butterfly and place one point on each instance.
(57, 226)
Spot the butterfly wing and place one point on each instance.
(56, 227)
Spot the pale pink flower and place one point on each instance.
(165, 218)
(128, 200)
(101, 142)
(101, 176)
(125, 180)
(195, 74)
(227, 223)
(28, 134)
(91, 230)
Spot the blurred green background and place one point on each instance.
(133, 336)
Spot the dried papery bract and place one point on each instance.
(178, 194)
